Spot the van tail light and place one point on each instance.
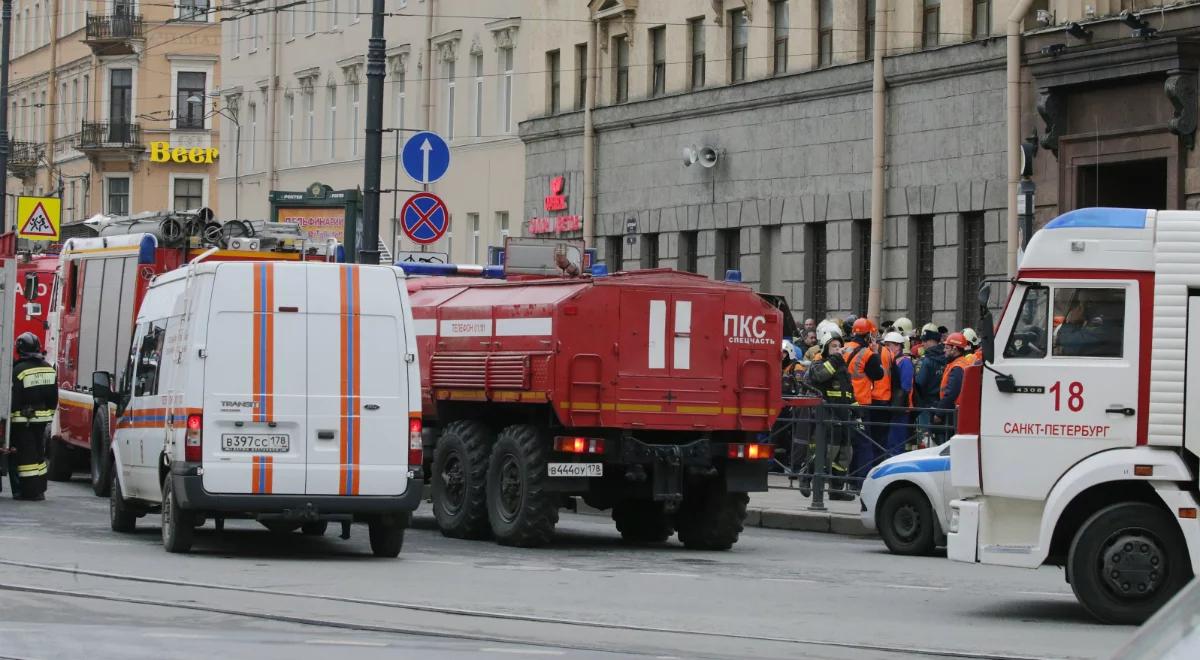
(753, 451)
(574, 445)
(415, 455)
(193, 444)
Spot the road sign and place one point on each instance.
(421, 257)
(424, 218)
(38, 218)
(426, 157)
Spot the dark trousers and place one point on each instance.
(27, 465)
(869, 447)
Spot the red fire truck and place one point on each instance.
(100, 284)
(647, 393)
(35, 276)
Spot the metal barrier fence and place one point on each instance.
(829, 448)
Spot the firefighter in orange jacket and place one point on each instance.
(870, 376)
(958, 350)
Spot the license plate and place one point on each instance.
(257, 443)
(576, 469)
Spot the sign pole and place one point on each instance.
(368, 251)
(5, 43)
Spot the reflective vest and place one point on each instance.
(882, 390)
(963, 362)
(34, 382)
(858, 372)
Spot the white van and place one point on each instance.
(284, 392)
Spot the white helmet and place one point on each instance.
(903, 325)
(789, 350)
(827, 330)
(971, 336)
(893, 338)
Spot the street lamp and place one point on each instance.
(237, 151)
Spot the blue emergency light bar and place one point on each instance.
(449, 270)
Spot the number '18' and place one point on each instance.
(1074, 396)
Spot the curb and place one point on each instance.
(807, 521)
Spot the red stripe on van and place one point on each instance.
(344, 380)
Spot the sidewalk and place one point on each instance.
(783, 507)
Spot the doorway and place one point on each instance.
(1138, 184)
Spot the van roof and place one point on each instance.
(207, 267)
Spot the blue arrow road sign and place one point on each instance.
(426, 157)
(424, 218)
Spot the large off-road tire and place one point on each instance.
(460, 464)
(101, 448)
(711, 518)
(178, 528)
(59, 456)
(520, 510)
(906, 522)
(1127, 561)
(121, 516)
(642, 521)
(387, 534)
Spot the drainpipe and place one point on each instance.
(1014, 128)
(52, 100)
(273, 102)
(879, 151)
(429, 66)
(589, 136)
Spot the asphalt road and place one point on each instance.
(69, 587)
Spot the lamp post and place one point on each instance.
(5, 41)
(237, 151)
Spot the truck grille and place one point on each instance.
(491, 371)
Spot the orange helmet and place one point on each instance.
(863, 327)
(957, 340)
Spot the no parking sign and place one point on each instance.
(424, 218)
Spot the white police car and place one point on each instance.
(907, 499)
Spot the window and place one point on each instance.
(120, 96)
(621, 67)
(779, 14)
(252, 111)
(861, 257)
(553, 81)
(650, 251)
(193, 10)
(335, 12)
(981, 24)
(868, 29)
(237, 36)
(398, 90)
(931, 23)
(697, 61)
(581, 76)
(658, 59)
(118, 196)
(254, 32)
(312, 18)
(331, 120)
(189, 99)
(739, 40)
(1028, 338)
(355, 134)
(289, 104)
(188, 194)
(62, 108)
(818, 283)
(448, 70)
(920, 245)
(310, 124)
(506, 89)
(149, 357)
(474, 218)
(73, 119)
(729, 252)
(614, 247)
(477, 65)
(824, 32)
(687, 251)
(1092, 322)
(502, 221)
(971, 270)
(295, 20)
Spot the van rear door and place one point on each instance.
(357, 382)
(255, 416)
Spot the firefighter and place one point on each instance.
(902, 384)
(870, 377)
(958, 350)
(976, 343)
(828, 374)
(34, 398)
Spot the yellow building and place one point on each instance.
(98, 87)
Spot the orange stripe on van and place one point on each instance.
(344, 382)
(269, 319)
(262, 477)
(263, 364)
(355, 358)
(350, 335)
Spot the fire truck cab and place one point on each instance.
(1073, 446)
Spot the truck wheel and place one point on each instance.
(642, 521)
(58, 454)
(387, 535)
(460, 464)
(314, 528)
(520, 510)
(121, 516)
(1126, 561)
(101, 443)
(711, 518)
(906, 523)
(177, 527)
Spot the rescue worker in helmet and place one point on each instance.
(34, 399)
(828, 375)
(792, 368)
(958, 351)
(976, 343)
(870, 374)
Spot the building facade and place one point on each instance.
(295, 82)
(777, 98)
(109, 106)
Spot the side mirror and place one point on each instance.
(31, 286)
(1006, 383)
(102, 386)
(987, 326)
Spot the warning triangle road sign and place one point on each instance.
(38, 223)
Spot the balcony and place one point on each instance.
(100, 137)
(24, 158)
(113, 34)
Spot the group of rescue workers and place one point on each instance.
(883, 389)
